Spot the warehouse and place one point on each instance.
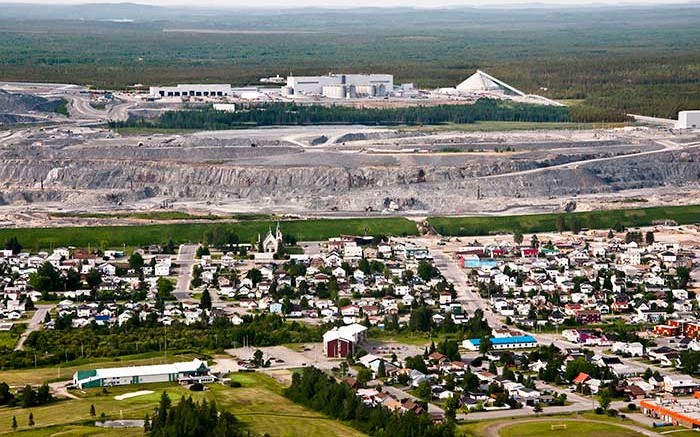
(501, 343)
(184, 372)
(191, 90)
(341, 85)
(675, 411)
(688, 120)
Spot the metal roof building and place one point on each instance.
(194, 371)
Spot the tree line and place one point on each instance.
(293, 114)
(51, 347)
(316, 390)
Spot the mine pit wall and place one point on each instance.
(439, 189)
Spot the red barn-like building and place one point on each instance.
(341, 342)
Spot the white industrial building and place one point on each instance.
(184, 372)
(341, 86)
(688, 120)
(192, 90)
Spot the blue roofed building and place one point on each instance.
(503, 343)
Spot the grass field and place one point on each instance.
(117, 236)
(576, 424)
(579, 429)
(65, 371)
(9, 338)
(258, 404)
(463, 226)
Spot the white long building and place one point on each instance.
(190, 371)
(192, 90)
(341, 85)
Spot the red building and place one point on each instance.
(585, 317)
(341, 342)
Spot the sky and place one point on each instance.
(353, 3)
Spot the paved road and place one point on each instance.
(34, 324)
(185, 262)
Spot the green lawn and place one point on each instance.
(9, 338)
(117, 236)
(65, 371)
(579, 429)
(257, 404)
(463, 226)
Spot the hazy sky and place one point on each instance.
(349, 3)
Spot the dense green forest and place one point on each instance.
(633, 59)
(291, 114)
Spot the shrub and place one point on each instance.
(599, 410)
(631, 406)
(197, 386)
(235, 384)
(612, 412)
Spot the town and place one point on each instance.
(455, 329)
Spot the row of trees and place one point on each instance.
(50, 347)
(191, 419)
(293, 114)
(316, 390)
(26, 398)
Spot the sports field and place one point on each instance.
(565, 429)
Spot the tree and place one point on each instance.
(451, 406)
(649, 238)
(205, 300)
(92, 410)
(255, 276)
(604, 399)
(561, 223)
(485, 345)
(381, 369)
(14, 423)
(426, 270)
(30, 422)
(518, 237)
(13, 245)
(136, 261)
(93, 278)
(364, 375)
(146, 423)
(535, 242)
(258, 358)
(575, 226)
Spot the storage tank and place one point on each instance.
(335, 91)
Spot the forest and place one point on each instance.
(633, 59)
(292, 114)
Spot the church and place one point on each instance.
(272, 242)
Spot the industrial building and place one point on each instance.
(688, 120)
(192, 90)
(340, 86)
(342, 342)
(674, 411)
(502, 343)
(183, 372)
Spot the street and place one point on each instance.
(185, 262)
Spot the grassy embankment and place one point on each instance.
(117, 236)
(464, 226)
